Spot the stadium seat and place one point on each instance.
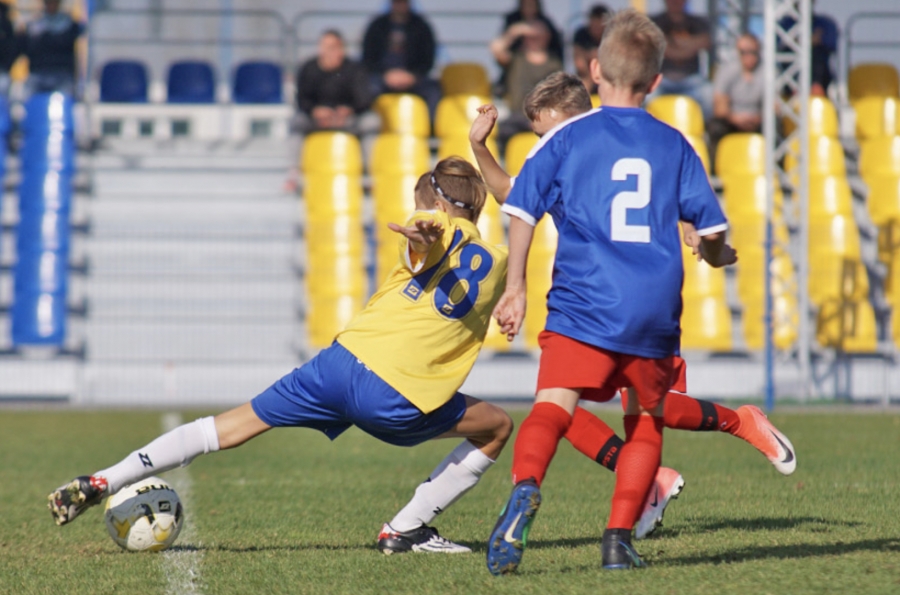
(339, 234)
(400, 153)
(595, 100)
(823, 120)
(191, 82)
(883, 199)
(785, 320)
(826, 157)
(393, 198)
(455, 114)
(746, 197)
(742, 153)
(517, 149)
(465, 78)
(403, 113)
(829, 195)
(873, 79)
(834, 277)
(459, 145)
(331, 153)
(706, 324)
(847, 326)
(257, 82)
(327, 195)
(540, 274)
(751, 271)
(678, 111)
(700, 279)
(877, 117)
(123, 81)
(701, 149)
(880, 156)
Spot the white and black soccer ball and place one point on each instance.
(146, 516)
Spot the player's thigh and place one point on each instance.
(481, 420)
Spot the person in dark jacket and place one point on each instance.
(399, 51)
(49, 43)
(526, 11)
(9, 50)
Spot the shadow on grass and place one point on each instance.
(795, 551)
(240, 549)
(754, 524)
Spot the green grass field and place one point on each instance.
(293, 513)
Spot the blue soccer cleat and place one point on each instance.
(507, 542)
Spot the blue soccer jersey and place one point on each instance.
(616, 181)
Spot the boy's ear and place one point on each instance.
(440, 205)
(595, 71)
(656, 81)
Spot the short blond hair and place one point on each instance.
(631, 51)
(559, 91)
(455, 179)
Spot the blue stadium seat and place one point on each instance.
(46, 112)
(39, 319)
(257, 82)
(123, 81)
(191, 82)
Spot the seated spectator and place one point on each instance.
(737, 94)
(686, 36)
(399, 50)
(49, 43)
(333, 93)
(528, 10)
(525, 68)
(585, 43)
(9, 50)
(824, 46)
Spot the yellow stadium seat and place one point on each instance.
(746, 197)
(490, 223)
(335, 274)
(400, 154)
(403, 113)
(883, 200)
(700, 148)
(829, 195)
(742, 153)
(465, 78)
(331, 153)
(678, 111)
(595, 100)
(706, 324)
(878, 79)
(325, 196)
(393, 199)
(834, 234)
(847, 326)
(751, 270)
(459, 146)
(823, 120)
(540, 274)
(880, 156)
(455, 114)
(877, 117)
(517, 149)
(341, 234)
(329, 315)
(888, 250)
(700, 279)
(785, 321)
(826, 157)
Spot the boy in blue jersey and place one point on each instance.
(616, 182)
(404, 395)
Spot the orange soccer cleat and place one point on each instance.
(758, 430)
(667, 484)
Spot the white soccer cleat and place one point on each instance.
(759, 431)
(423, 539)
(667, 484)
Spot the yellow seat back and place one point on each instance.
(455, 114)
(680, 112)
(403, 113)
(469, 78)
(873, 79)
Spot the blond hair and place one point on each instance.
(631, 51)
(558, 91)
(456, 180)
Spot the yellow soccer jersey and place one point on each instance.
(422, 330)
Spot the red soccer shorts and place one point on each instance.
(567, 363)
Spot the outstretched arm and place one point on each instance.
(495, 177)
(421, 235)
(510, 309)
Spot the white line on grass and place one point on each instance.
(182, 566)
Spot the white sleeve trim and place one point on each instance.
(512, 181)
(414, 269)
(711, 230)
(519, 213)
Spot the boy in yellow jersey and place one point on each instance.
(394, 372)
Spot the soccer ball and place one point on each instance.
(146, 516)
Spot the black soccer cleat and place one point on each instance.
(71, 499)
(617, 551)
(422, 539)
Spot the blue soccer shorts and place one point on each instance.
(335, 390)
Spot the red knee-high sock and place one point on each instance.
(682, 412)
(638, 464)
(536, 443)
(594, 439)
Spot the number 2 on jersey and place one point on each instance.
(619, 229)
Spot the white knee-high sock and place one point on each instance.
(456, 475)
(173, 449)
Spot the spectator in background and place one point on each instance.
(737, 94)
(585, 43)
(333, 93)
(525, 67)
(49, 43)
(686, 37)
(399, 50)
(8, 48)
(528, 10)
(824, 45)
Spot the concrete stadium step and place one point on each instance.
(222, 341)
(53, 379)
(208, 258)
(170, 298)
(161, 182)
